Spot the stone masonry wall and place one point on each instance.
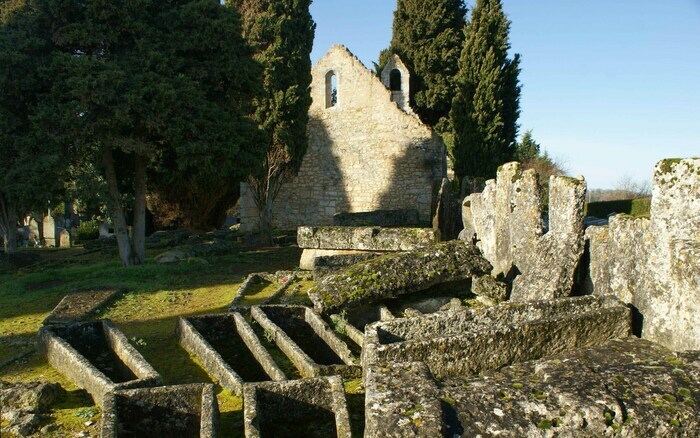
(654, 264)
(364, 153)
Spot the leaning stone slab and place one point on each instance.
(310, 257)
(629, 387)
(228, 349)
(166, 411)
(379, 218)
(475, 340)
(97, 357)
(402, 400)
(306, 339)
(78, 305)
(399, 274)
(329, 264)
(309, 407)
(366, 238)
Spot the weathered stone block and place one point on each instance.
(306, 339)
(310, 257)
(228, 349)
(653, 263)
(366, 238)
(379, 218)
(401, 401)
(627, 387)
(474, 340)
(506, 220)
(97, 357)
(166, 411)
(398, 274)
(309, 407)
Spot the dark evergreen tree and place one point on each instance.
(487, 105)
(528, 149)
(143, 84)
(32, 166)
(281, 33)
(428, 35)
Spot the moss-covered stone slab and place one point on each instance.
(167, 411)
(366, 238)
(305, 408)
(479, 339)
(629, 387)
(399, 274)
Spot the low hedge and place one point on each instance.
(633, 207)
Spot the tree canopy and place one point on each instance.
(428, 36)
(487, 104)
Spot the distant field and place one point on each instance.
(632, 207)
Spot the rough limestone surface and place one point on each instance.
(505, 219)
(402, 400)
(80, 304)
(654, 264)
(22, 405)
(628, 387)
(365, 153)
(366, 238)
(399, 274)
(470, 341)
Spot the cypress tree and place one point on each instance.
(428, 36)
(281, 33)
(487, 105)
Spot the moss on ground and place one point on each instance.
(157, 295)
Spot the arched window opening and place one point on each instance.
(331, 89)
(395, 80)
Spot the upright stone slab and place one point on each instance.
(49, 230)
(399, 274)
(653, 263)
(63, 238)
(474, 340)
(366, 238)
(506, 221)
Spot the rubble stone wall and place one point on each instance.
(364, 153)
(654, 263)
(505, 220)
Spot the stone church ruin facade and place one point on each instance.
(367, 150)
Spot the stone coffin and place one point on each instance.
(97, 357)
(475, 340)
(228, 349)
(354, 322)
(306, 340)
(366, 238)
(78, 305)
(167, 411)
(305, 408)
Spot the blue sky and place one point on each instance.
(609, 86)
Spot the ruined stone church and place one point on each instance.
(367, 149)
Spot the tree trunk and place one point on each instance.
(116, 210)
(139, 232)
(265, 215)
(8, 225)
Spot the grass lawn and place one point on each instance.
(147, 313)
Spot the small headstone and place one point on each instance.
(63, 238)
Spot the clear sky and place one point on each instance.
(609, 86)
